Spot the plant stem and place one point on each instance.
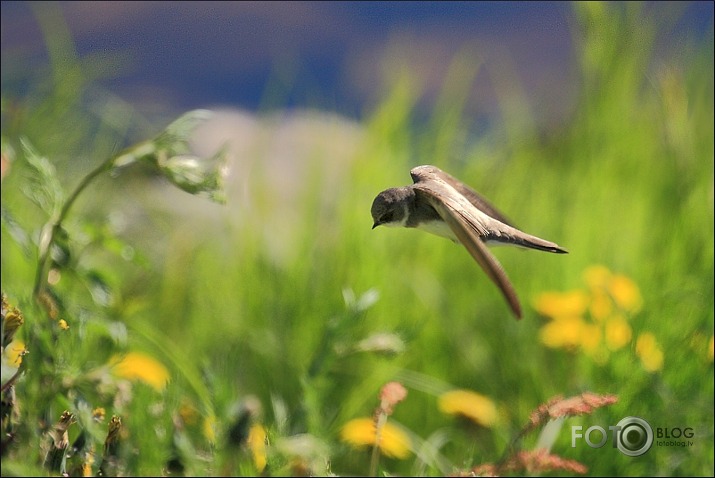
(50, 229)
(375, 458)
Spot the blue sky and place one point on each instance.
(329, 55)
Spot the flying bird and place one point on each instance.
(442, 205)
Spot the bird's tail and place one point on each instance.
(522, 239)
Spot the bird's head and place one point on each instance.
(390, 207)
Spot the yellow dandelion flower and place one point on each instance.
(600, 306)
(14, 352)
(565, 332)
(649, 351)
(472, 405)
(361, 432)
(618, 332)
(597, 276)
(625, 292)
(561, 304)
(711, 348)
(142, 367)
(63, 324)
(208, 428)
(590, 338)
(257, 445)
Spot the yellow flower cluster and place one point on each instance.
(649, 352)
(477, 408)
(14, 352)
(596, 320)
(256, 442)
(394, 442)
(141, 367)
(363, 432)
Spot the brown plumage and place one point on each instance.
(440, 204)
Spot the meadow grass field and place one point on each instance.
(367, 351)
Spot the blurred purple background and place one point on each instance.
(174, 56)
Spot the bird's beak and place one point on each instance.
(375, 225)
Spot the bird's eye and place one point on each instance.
(386, 217)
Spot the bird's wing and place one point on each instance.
(460, 216)
(496, 229)
(427, 172)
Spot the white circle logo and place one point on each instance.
(634, 436)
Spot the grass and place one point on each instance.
(626, 183)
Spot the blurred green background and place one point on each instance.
(625, 182)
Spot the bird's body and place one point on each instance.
(440, 204)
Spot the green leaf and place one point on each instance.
(42, 186)
(171, 153)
